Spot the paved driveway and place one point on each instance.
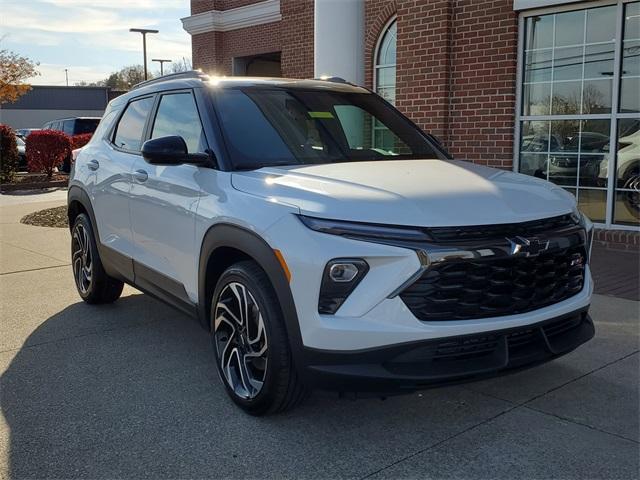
(129, 390)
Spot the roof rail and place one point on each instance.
(172, 76)
(333, 79)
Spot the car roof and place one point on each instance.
(73, 118)
(196, 79)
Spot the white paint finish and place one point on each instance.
(412, 192)
(37, 118)
(108, 187)
(339, 39)
(368, 319)
(172, 211)
(233, 19)
(163, 220)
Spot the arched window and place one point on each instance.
(385, 63)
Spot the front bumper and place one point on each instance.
(417, 365)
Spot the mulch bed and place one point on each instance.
(50, 217)
(35, 181)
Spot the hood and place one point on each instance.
(409, 192)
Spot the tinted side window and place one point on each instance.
(128, 134)
(178, 115)
(68, 127)
(85, 125)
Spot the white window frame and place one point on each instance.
(376, 50)
(614, 116)
(377, 67)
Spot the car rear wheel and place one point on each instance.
(252, 350)
(92, 282)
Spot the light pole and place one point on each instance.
(144, 32)
(162, 62)
(66, 76)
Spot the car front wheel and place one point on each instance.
(250, 342)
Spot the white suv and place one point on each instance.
(323, 239)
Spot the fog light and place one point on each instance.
(343, 272)
(341, 276)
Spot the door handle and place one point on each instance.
(93, 164)
(140, 176)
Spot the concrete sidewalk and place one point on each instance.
(129, 390)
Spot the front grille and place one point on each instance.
(500, 231)
(471, 289)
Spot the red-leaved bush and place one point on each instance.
(46, 150)
(79, 141)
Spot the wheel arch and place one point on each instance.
(78, 202)
(225, 244)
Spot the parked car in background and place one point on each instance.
(24, 132)
(22, 162)
(73, 126)
(316, 254)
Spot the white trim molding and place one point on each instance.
(528, 4)
(233, 19)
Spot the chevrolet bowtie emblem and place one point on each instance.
(527, 247)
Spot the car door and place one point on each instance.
(111, 164)
(163, 202)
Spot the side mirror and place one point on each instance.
(171, 150)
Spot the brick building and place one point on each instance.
(539, 86)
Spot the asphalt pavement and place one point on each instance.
(129, 390)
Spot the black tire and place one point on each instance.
(92, 283)
(281, 388)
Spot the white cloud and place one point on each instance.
(126, 4)
(53, 74)
(88, 31)
(67, 20)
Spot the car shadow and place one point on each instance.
(130, 390)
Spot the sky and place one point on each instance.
(91, 38)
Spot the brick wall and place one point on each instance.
(483, 81)
(297, 38)
(456, 63)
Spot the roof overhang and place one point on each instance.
(233, 19)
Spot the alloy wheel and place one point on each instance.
(240, 339)
(81, 258)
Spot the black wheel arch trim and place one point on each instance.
(232, 236)
(115, 264)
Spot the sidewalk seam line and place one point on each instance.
(34, 269)
(516, 406)
(586, 425)
(31, 251)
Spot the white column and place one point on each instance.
(339, 39)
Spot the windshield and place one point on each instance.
(20, 142)
(266, 127)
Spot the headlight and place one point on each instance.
(364, 231)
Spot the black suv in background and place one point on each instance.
(73, 125)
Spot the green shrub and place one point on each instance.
(8, 154)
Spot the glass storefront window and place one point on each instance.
(569, 108)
